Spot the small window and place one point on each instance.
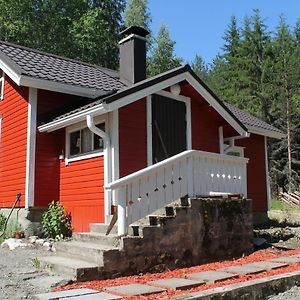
(2, 86)
(234, 150)
(84, 141)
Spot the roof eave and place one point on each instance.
(59, 87)
(265, 132)
(74, 118)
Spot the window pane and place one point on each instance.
(75, 143)
(98, 141)
(86, 140)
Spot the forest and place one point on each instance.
(256, 69)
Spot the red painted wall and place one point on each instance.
(133, 137)
(256, 171)
(81, 191)
(14, 109)
(205, 130)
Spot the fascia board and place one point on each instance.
(264, 132)
(74, 118)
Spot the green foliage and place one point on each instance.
(257, 73)
(12, 227)
(137, 14)
(200, 68)
(36, 263)
(2, 222)
(56, 223)
(81, 29)
(163, 57)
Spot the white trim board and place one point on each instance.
(102, 108)
(31, 148)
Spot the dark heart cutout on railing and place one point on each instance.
(172, 181)
(179, 178)
(156, 189)
(164, 186)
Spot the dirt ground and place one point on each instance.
(19, 279)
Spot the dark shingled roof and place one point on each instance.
(41, 65)
(249, 120)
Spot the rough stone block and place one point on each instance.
(212, 276)
(134, 289)
(176, 283)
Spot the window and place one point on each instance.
(2, 86)
(234, 150)
(83, 141)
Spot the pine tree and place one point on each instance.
(200, 68)
(163, 57)
(285, 162)
(137, 13)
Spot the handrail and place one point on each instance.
(151, 169)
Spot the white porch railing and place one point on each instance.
(188, 173)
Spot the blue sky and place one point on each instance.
(198, 26)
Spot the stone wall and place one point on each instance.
(204, 231)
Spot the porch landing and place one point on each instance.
(185, 233)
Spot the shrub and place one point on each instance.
(2, 222)
(56, 223)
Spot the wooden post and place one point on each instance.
(122, 220)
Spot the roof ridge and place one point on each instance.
(57, 56)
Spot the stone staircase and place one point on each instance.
(171, 237)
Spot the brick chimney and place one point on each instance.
(133, 54)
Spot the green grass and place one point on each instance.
(279, 205)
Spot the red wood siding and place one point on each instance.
(256, 171)
(81, 191)
(13, 143)
(48, 149)
(133, 137)
(205, 131)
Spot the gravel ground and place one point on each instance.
(19, 279)
(292, 294)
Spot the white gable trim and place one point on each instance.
(103, 108)
(215, 104)
(264, 132)
(31, 145)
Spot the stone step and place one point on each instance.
(87, 251)
(102, 228)
(98, 238)
(77, 269)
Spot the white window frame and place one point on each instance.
(2, 80)
(77, 127)
(235, 149)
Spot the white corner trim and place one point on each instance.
(114, 133)
(2, 81)
(267, 175)
(13, 74)
(188, 124)
(31, 148)
(149, 131)
(221, 140)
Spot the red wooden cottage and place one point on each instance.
(94, 138)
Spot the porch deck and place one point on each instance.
(192, 173)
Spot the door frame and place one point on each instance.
(181, 98)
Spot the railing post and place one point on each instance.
(107, 205)
(122, 219)
(190, 176)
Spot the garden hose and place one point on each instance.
(18, 196)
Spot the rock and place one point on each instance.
(47, 245)
(14, 243)
(32, 239)
(40, 241)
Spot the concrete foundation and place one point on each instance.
(30, 220)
